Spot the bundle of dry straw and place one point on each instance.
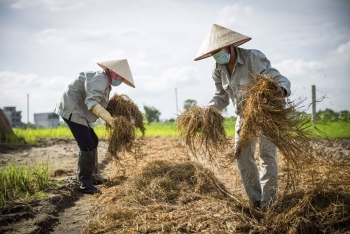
(5, 127)
(203, 130)
(127, 119)
(266, 112)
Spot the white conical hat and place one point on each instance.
(217, 38)
(121, 67)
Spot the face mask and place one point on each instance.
(117, 81)
(222, 57)
(115, 78)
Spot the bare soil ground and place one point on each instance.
(68, 211)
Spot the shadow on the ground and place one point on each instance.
(39, 215)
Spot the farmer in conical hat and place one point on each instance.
(231, 72)
(84, 101)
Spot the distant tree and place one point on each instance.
(28, 126)
(327, 114)
(344, 115)
(152, 114)
(189, 103)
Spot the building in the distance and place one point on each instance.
(14, 117)
(46, 120)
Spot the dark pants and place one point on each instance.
(85, 136)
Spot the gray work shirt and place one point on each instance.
(232, 86)
(84, 92)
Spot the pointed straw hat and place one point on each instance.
(217, 38)
(121, 67)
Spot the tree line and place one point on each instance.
(153, 115)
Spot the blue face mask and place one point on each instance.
(116, 82)
(222, 57)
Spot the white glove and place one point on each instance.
(103, 114)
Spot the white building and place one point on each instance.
(46, 120)
(14, 117)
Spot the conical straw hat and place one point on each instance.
(121, 67)
(217, 38)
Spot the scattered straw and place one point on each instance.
(203, 131)
(175, 197)
(127, 119)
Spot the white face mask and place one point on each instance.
(222, 57)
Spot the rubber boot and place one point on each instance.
(96, 178)
(85, 165)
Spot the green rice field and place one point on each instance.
(327, 130)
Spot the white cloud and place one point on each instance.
(340, 57)
(171, 77)
(43, 92)
(344, 48)
(52, 5)
(54, 36)
(236, 14)
(298, 67)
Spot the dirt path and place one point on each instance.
(66, 210)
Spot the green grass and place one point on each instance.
(23, 182)
(331, 130)
(169, 129)
(31, 136)
(161, 129)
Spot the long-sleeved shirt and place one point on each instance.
(232, 86)
(84, 92)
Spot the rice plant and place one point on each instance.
(21, 182)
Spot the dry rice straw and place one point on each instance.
(203, 131)
(127, 119)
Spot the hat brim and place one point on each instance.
(211, 53)
(121, 67)
(218, 38)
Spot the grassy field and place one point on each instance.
(331, 130)
(23, 182)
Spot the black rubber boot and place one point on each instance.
(85, 165)
(96, 178)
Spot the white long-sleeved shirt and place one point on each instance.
(84, 92)
(232, 86)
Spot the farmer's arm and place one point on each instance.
(221, 98)
(95, 87)
(263, 66)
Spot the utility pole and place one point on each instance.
(313, 90)
(177, 109)
(27, 110)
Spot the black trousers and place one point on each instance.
(85, 136)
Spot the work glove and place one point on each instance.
(103, 114)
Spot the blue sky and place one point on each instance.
(45, 43)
